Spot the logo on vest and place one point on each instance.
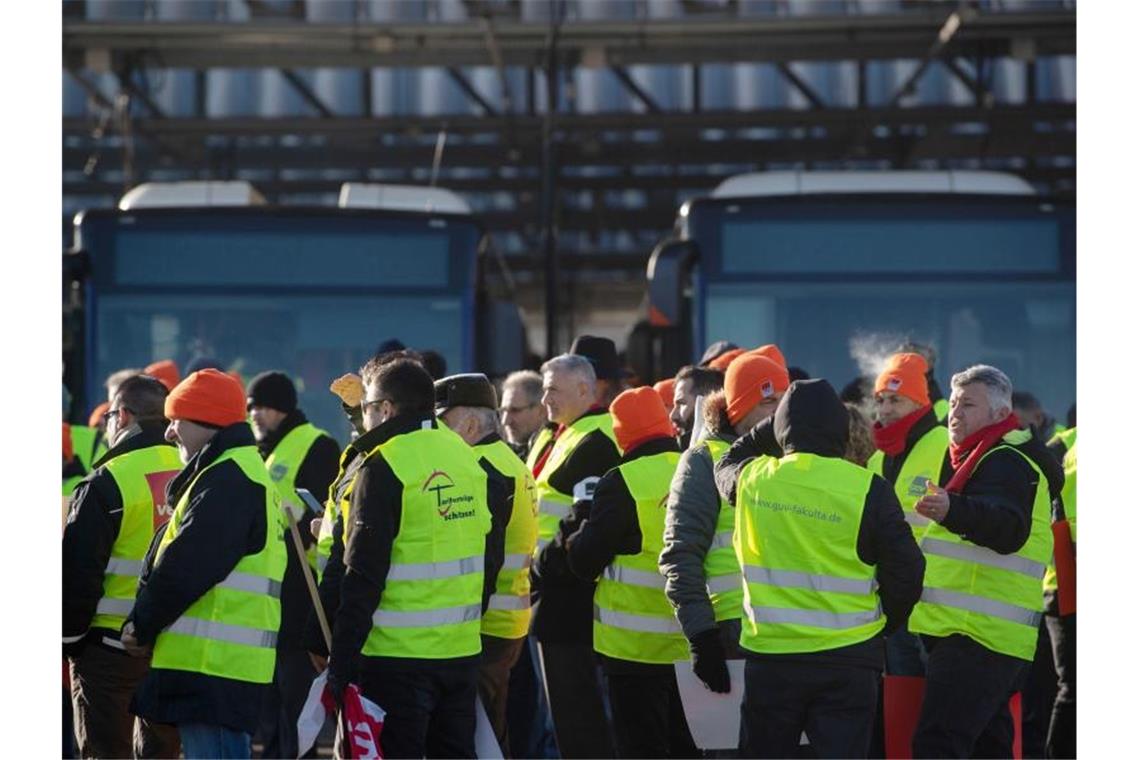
(277, 471)
(157, 482)
(917, 486)
(439, 482)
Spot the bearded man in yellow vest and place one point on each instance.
(986, 553)
(421, 560)
(208, 602)
(636, 636)
(829, 567)
(297, 455)
(467, 405)
(112, 516)
(584, 449)
(912, 450)
(703, 581)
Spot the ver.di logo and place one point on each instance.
(439, 481)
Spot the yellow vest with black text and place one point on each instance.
(993, 598)
(432, 601)
(553, 505)
(633, 619)
(544, 436)
(338, 503)
(231, 630)
(1068, 497)
(722, 569)
(797, 526)
(141, 477)
(923, 463)
(508, 613)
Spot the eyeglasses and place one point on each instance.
(107, 415)
(365, 405)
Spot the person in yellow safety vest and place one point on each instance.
(829, 567)
(521, 411)
(208, 600)
(690, 384)
(111, 518)
(986, 552)
(635, 634)
(423, 550)
(467, 405)
(297, 455)
(912, 451)
(584, 449)
(87, 446)
(1061, 740)
(702, 575)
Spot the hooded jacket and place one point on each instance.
(224, 521)
(94, 519)
(810, 419)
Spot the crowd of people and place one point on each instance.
(546, 549)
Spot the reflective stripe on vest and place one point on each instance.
(230, 634)
(797, 527)
(633, 619)
(722, 568)
(431, 610)
(508, 614)
(231, 630)
(992, 598)
(553, 505)
(628, 621)
(141, 476)
(430, 570)
(982, 556)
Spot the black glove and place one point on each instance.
(338, 682)
(709, 660)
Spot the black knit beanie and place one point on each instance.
(274, 390)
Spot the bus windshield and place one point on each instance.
(312, 296)
(840, 285)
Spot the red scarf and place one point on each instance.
(966, 455)
(891, 439)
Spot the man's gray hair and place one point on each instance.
(575, 365)
(999, 389)
(527, 382)
(488, 419)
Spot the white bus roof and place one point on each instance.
(401, 198)
(190, 195)
(822, 182)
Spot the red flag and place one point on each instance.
(902, 703)
(364, 721)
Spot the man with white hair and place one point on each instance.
(522, 414)
(986, 553)
(584, 449)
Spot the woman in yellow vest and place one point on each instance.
(829, 567)
(209, 603)
(912, 450)
(636, 636)
(986, 552)
(702, 574)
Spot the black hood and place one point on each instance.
(811, 419)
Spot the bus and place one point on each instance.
(840, 268)
(208, 271)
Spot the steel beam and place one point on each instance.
(470, 91)
(306, 93)
(635, 89)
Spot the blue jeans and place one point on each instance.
(201, 741)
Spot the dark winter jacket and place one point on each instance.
(316, 473)
(810, 419)
(565, 611)
(224, 521)
(95, 516)
(377, 501)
